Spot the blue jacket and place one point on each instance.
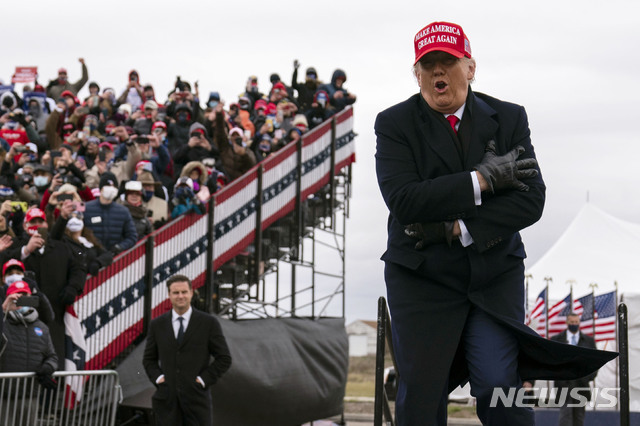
(112, 224)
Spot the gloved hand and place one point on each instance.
(93, 268)
(116, 249)
(430, 233)
(68, 295)
(45, 378)
(504, 172)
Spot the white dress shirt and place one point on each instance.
(465, 237)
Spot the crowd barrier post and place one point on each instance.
(381, 408)
(210, 289)
(148, 283)
(623, 340)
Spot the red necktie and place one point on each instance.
(453, 120)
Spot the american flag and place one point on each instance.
(75, 357)
(536, 319)
(558, 316)
(605, 316)
(583, 306)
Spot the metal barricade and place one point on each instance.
(81, 398)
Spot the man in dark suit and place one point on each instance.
(177, 359)
(574, 416)
(458, 173)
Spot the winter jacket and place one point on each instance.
(234, 165)
(331, 89)
(54, 90)
(112, 225)
(29, 345)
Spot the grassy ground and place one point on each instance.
(361, 383)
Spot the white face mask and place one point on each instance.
(109, 192)
(10, 279)
(74, 224)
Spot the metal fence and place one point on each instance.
(80, 398)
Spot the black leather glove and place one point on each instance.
(93, 268)
(45, 378)
(504, 172)
(68, 295)
(430, 233)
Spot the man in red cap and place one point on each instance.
(60, 84)
(458, 173)
(28, 342)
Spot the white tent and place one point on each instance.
(597, 248)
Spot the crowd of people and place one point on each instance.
(82, 180)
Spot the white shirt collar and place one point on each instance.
(186, 315)
(570, 335)
(458, 112)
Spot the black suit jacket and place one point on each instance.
(180, 395)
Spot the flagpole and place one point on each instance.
(526, 294)
(571, 283)
(593, 307)
(546, 308)
(615, 283)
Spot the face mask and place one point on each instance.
(182, 117)
(196, 187)
(213, 104)
(75, 225)
(32, 230)
(10, 279)
(109, 192)
(146, 195)
(574, 328)
(34, 110)
(23, 310)
(40, 181)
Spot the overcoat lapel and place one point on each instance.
(437, 138)
(483, 128)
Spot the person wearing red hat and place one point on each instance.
(61, 83)
(28, 345)
(458, 172)
(12, 271)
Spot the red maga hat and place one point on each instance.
(34, 213)
(442, 36)
(10, 263)
(18, 287)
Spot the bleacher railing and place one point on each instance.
(118, 303)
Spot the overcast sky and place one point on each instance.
(573, 65)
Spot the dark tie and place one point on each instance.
(453, 120)
(180, 331)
